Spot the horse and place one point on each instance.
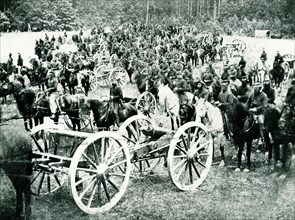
(70, 104)
(103, 114)
(286, 125)
(211, 116)
(68, 78)
(179, 113)
(15, 160)
(277, 75)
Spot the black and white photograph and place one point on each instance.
(147, 109)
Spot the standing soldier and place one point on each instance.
(116, 95)
(180, 89)
(290, 97)
(20, 62)
(10, 64)
(263, 56)
(52, 92)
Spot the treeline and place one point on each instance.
(225, 16)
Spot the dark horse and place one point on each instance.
(69, 78)
(15, 160)
(245, 129)
(277, 75)
(35, 106)
(103, 114)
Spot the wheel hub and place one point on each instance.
(101, 169)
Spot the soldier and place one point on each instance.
(225, 98)
(269, 90)
(290, 97)
(116, 95)
(200, 91)
(20, 61)
(278, 59)
(263, 56)
(52, 84)
(256, 104)
(10, 64)
(244, 91)
(180, 89)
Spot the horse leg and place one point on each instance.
(268, 147)
(240, 152)
(222, 162)
(249, 148)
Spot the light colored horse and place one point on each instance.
(212, 118)
(169, 102)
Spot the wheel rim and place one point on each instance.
(146, 103)
(102, 163)
(84, 120)
(102, 75)
(190, 156)
(44, 180)
(136, 140)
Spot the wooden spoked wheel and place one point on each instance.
(120, 75)
(92, 80)
(289, 58)
(102, 75)
(102, 163)
(45, 178)
(83, 118)
(134, 137)
(190, 156)
(241, 45)
(229, 50)
(146, 103)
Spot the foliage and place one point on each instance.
(235, 17)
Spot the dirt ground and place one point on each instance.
(225, 194)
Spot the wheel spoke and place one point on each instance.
(40, 183)
(201, 163)
(36, 176)
(117, 174)
(179, 164)
(184, 143)
(113, 185)
(37, 144)
(92, 195)
(180, 148)
(102, 150)
(86, 189)
(95, 153)
(48, 183)
(105, 189)
(124, 136)
(57, 180)
(117, 164)
(181, 170)
(89, 160)
(190, 173)
(188, 137)
(85, 179)
(196, 170)
(113, 156)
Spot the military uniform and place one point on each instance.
(290, 97)
(52, 92)
(116, 94)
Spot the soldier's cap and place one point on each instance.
(207, 80)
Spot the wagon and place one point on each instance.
(99, 165)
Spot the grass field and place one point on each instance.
(225, 194)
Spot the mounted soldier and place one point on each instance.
(269, 90)
(116, 96)
(256, 104)
(10, 64)
(244, 91)
(180, 89)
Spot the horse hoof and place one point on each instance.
(246, 170)
(222, 163)
(238, 169)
